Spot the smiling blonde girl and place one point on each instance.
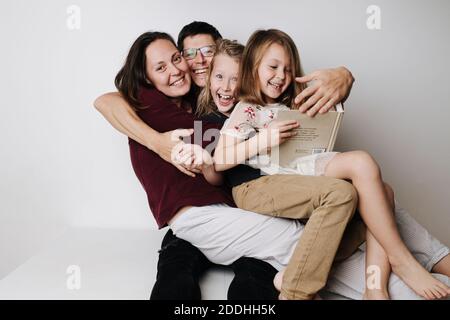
(268, 69)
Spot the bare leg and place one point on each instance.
(376, 256)
(377, 213)
(443, 266)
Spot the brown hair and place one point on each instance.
(248, 87)
(234, 50)
(133, 75)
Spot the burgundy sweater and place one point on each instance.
(168, 189)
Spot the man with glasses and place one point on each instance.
(181, 264)
(197, 43)
(199, 59)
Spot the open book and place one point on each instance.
(315, 135)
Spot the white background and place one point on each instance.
(63, 165)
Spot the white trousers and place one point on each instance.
(225, 234)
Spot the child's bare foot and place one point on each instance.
(376, 294)
(278, 280)
(419, 279)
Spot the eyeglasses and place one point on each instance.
(191, 53)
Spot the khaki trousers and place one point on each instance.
(328, 204)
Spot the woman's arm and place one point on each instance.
(124, 119)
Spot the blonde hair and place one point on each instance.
(248, 87)
(205, 102)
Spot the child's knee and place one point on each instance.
(364, 165)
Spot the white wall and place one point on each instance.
(63, 165)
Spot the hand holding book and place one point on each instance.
(313, 135)
(279, 131)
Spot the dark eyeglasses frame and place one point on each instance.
(191, 53)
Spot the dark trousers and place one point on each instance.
(181, 265)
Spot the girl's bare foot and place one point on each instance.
(278, 280)
(419, 279)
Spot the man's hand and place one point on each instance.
(169, 144)
(329, 87)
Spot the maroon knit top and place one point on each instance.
(168, 189)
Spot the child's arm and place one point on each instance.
(211, 175)
(234, 145)
(232, 151)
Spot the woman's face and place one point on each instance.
(166, 69)
(224, 77)
(274, 72)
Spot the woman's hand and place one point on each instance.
(329, 88)
(192, 157)
(169, 145)
(276, 133)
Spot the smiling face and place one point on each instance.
(166, 69)
(200, 64)
(223, 81)
(274, 72)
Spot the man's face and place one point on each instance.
(199, 65)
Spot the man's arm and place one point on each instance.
(329, 88)
(124, 119)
